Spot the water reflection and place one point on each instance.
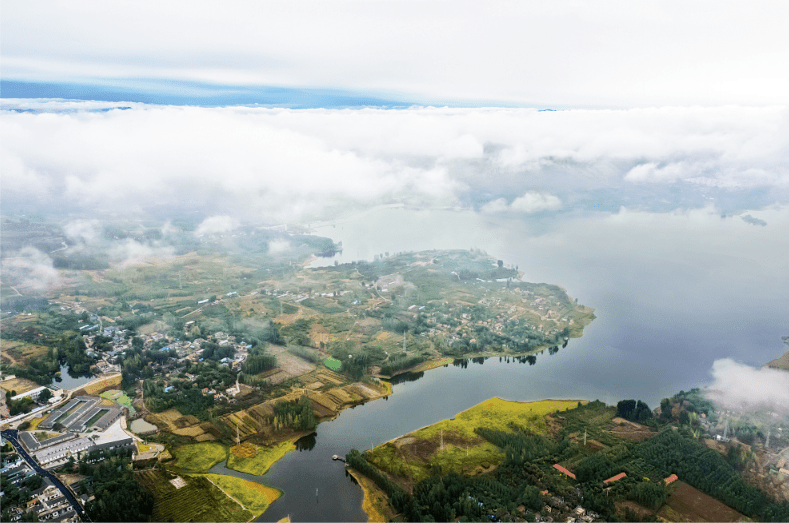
(531, 359)
(307, 442)
(406, 376)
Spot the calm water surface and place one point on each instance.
(672, 293)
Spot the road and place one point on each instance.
(10, 435)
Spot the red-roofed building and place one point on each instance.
(564, 470)
(615, 478)
(671, 479)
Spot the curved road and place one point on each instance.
(10, 435)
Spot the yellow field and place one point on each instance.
(455, 447)
(262, 460)
(255, 497)
(432, 364)
(499, 414)
(199, 457)
(142, 447)
(192, 431)
(111, 382)
(20, 385)
(374, 498)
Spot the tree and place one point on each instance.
(45, 395)
(33, 482)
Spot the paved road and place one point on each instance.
(11, 435)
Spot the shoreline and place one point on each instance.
(370, 491)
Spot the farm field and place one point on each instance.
(20, 353)
(255, 497)
(454, 446)
(101, 385)
(332, 363)
(199, 457)
(686, 503)
(119, 397)
(20, 385)
(254, 459)
(198, 500)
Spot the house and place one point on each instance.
(671, 479)
(615, 478)
(564, 471)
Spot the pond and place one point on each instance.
(67, 381)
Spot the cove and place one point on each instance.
(438, 394)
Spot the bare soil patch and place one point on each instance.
(289, 365)
(631, 430)
(693, 505)
(20, 385)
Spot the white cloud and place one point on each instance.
(131, 252)
(30, 269)
(290, 165)
(499, 205)
(534, 202)
(529, 203)
(562, 52)
(216, 225)
(84, 231)
(278, 246)
(743, 388)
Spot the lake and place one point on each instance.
(672, 293)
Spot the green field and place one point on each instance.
(255, 497)
(199, 500)
(199, 457)
(259, 464)
(453, 444)
(119, 397)
(333, 364)
(96, 417)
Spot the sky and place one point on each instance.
(562, 54)
(298, 111)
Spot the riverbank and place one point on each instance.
(375, 503)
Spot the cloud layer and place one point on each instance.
(568, 53)
(285, 165)
(746, 389)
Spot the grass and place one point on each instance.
(199, 457)
(262, 461)
(333, 364)
(142, 447)
(119, 397)
(255, 497)
(199, 500)
(499, 414)
(375, 502)
(454, 445)
(95, 418)
(103, 384)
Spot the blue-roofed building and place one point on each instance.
(168, 388)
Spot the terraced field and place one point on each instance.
(198, 500)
